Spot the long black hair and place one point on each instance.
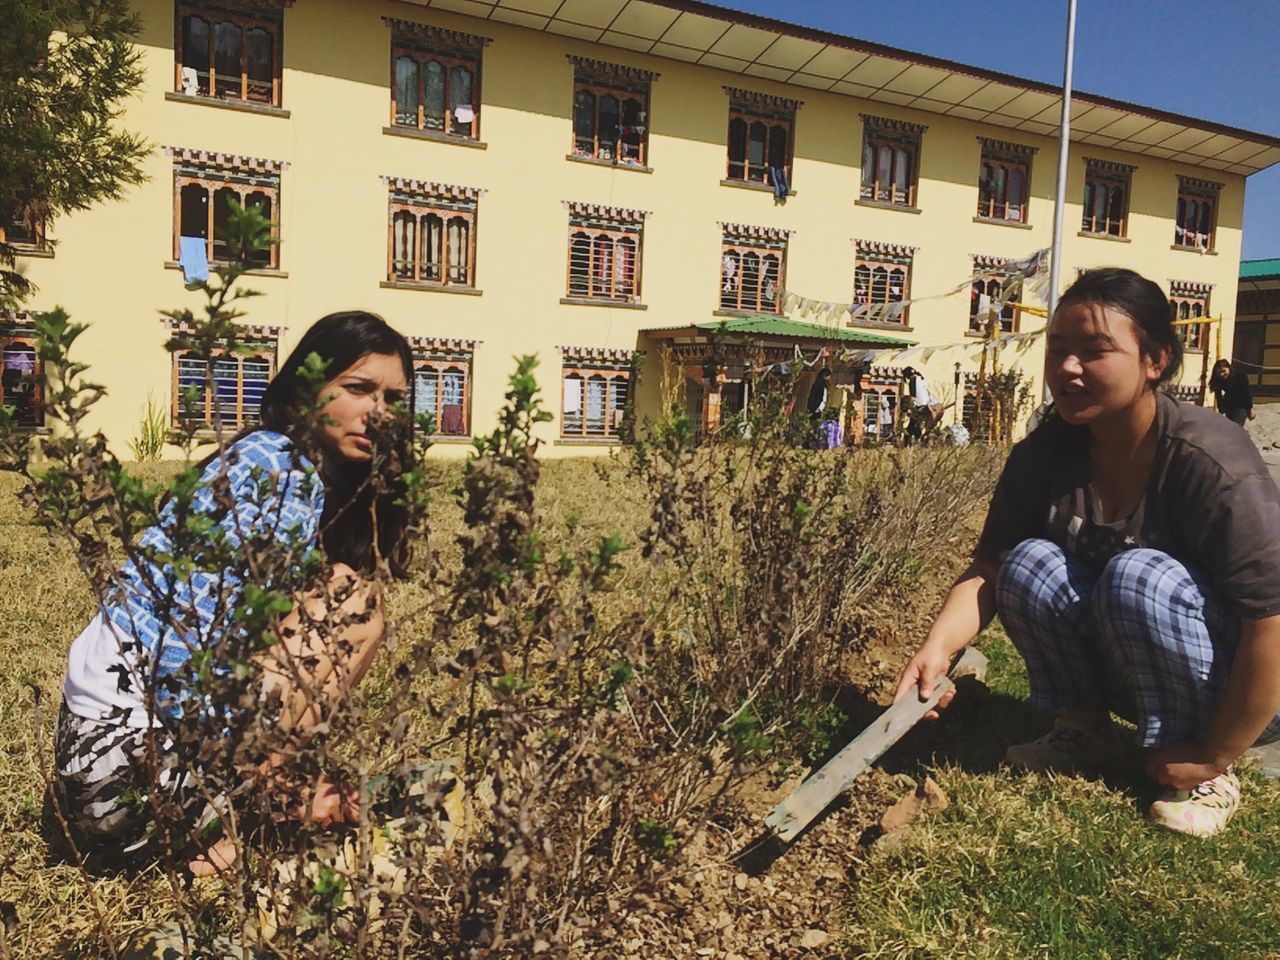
(1139, 299)
(353, 495)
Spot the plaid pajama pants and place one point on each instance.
(1143, 638)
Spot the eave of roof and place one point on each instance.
(765, 326)
(1259, 269)
(704, 33)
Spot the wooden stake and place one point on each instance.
(792, 815)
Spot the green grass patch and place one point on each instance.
(1031, 865)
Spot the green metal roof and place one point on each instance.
(782, 327)
(1256, 269)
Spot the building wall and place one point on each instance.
(109, 268)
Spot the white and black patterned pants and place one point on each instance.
(1143, 637)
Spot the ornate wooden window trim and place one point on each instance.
(606, 253)
(243, 411)
(214, 175)
(456, 54)
(774, 119)
(890, 160)
(882, 275)
(425, 217)
(764, 251)
(27, 237)
(444, 366)
(627, 142)
(1188, 300)
(1196, 214)
(1106, 198)
(997, 289)
(23, 371)
(610, 371)
(1004, 180)
(267, 18)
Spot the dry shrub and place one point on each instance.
(564, 710)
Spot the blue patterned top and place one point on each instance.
(271, 491)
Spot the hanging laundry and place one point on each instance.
(778, 177)
(730, 270)
(193, 255)
(190, 81)
(463, 113)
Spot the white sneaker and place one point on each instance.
(1203, 810)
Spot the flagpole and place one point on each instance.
(1064, 149)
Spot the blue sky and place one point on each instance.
(1218, 61)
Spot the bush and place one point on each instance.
(565, 707)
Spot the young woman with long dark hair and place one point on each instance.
(300, 479)
(1132, 551)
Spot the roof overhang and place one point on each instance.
(743, 43)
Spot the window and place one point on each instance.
(204, 186)
(1106, 197)
(1197, 213)
(753, 268)
(22, 374)
(761, 128)
(435, 79)
(605, 248)
(432, 239)
(1004, 180)
(596, 391)
(442, 383)
(890, 160)
(1187, 301)
(992, 297)
(228, 54)
(880, 403)
(881, 282)
(25, 234)
(229, 393)
(611, 111)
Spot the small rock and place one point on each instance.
(705, 951)
(813, 938)
(927, 798)
(740, 881)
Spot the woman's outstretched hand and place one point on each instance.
(921, 674)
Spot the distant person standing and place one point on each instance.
(1231, 391)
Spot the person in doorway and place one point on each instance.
(816, 404)
(1231, 392)
(920, 406)
(1132, 551)
(299, 480)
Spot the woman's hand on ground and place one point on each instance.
(921, 673)
(1184, 765)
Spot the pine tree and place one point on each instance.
(66, 69)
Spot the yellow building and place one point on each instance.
(584, 179)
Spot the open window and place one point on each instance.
(435, 79)
(890, 160)
(1106, 198)
(1004, 181)
(760, 139)
(1197, 213)
(205, 185)
(230, 51)
(610, 112)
